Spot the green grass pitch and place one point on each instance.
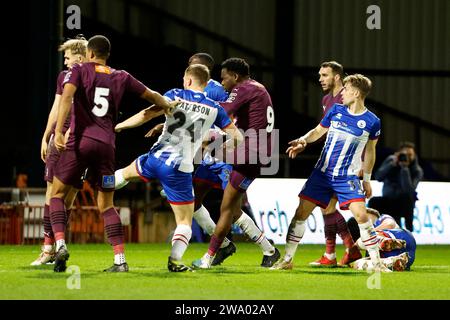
(239, 278)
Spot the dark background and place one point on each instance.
(34, 29)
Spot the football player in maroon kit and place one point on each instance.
(96, 91)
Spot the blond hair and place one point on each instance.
(76, 46)
(199, 72)
(360, 82)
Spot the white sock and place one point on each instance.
(119, 258)
(60, 243)
(295, 234)
(252, 231)
(120, 181)
(205, 222)
(370, 241)
(330, 256)
(48, 247)
(180, 241)
(360, 244)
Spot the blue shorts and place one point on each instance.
(400, 234)
(176, 184)
(319, 189)
(216, 174)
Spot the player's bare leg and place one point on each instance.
(230, 210)
(69, 201)
(295, 234)
(181, 236)
(203, 218)
(242, 220)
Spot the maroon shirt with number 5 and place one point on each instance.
(96, 102)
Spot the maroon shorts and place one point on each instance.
(243, 175)
(87, 153)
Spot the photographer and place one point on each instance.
(400, 174)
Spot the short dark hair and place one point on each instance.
(335, 66)
(204, 59)
(199, 72)
(238, 65)
(406, 144)
(100, 45)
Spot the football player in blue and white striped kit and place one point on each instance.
(213, 173)
(397, 246)
(350, 128)
(170, 160)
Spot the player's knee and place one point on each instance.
(104, 203)
(301, 213)
(361, 217)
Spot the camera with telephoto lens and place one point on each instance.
(402, 157)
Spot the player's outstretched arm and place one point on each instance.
(298, 145)
(159, 100)
(63, 111)
(140, 118)
(369, 161)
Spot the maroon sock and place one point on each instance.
(214, 245)
(342, 230)
(68, 212)
(330, 232)
(57, 215)
(113, 227)
(48, 232)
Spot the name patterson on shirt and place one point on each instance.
(194, 107)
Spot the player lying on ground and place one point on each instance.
(396, 244)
